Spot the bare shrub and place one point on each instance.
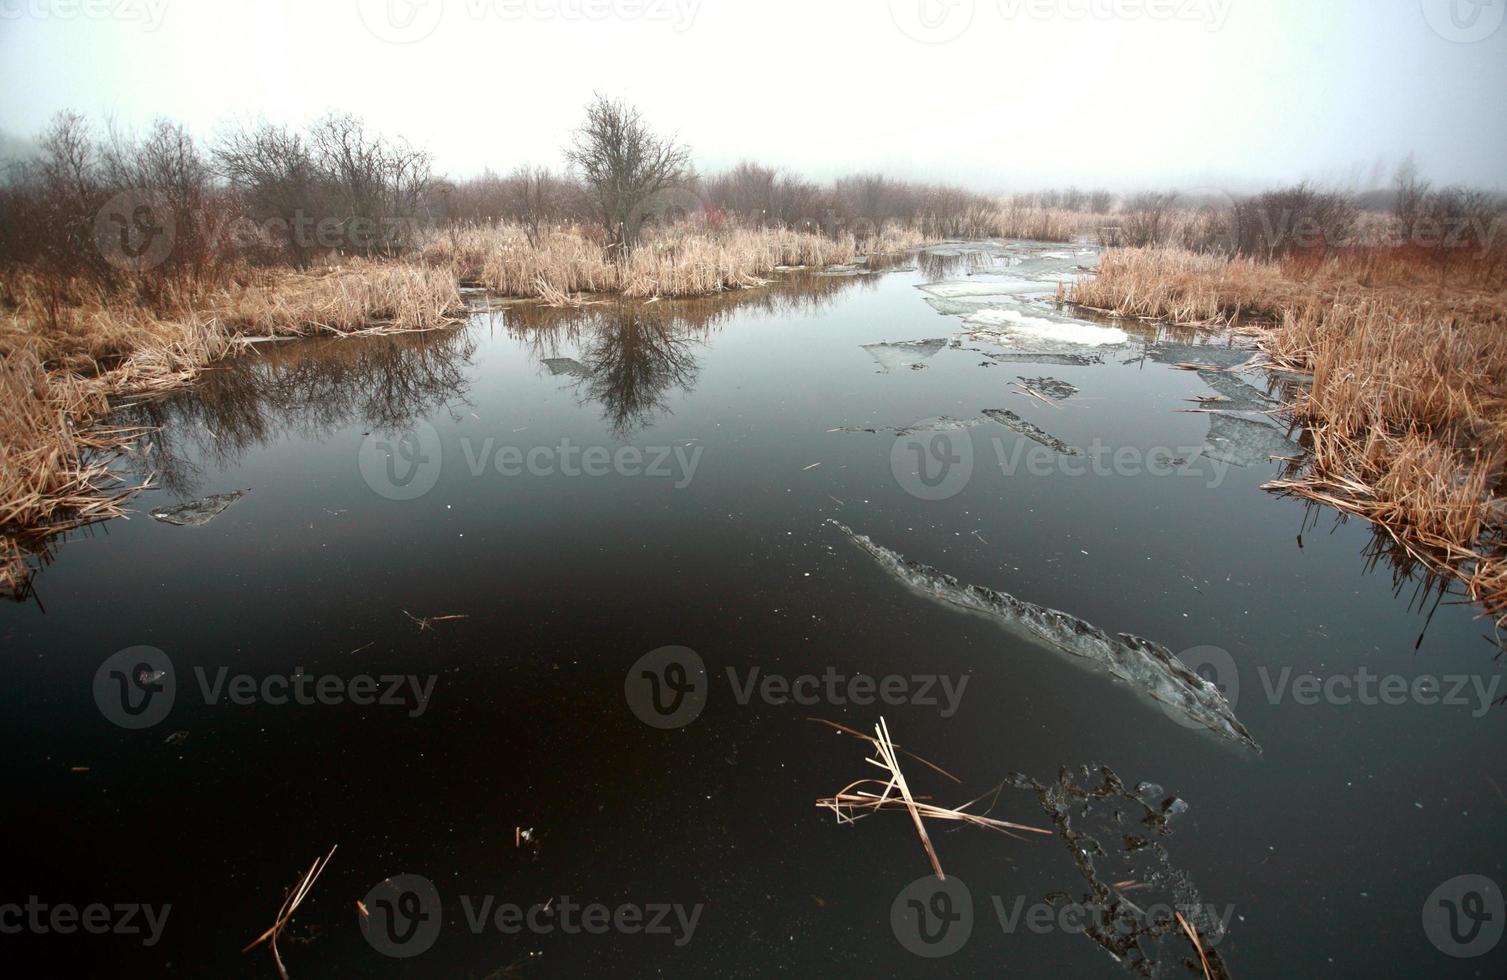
(626, 167)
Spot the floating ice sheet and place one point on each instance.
(1012, 421)
(905, 354)
(1223, 357)
(567, 366)
(1239, 396)
(199, 512)
(1148, 667)
(942, 423)
(1135, 893)
(1245, 443)
(1017, 326)
(1049, 387)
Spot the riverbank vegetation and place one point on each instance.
(1401, 322)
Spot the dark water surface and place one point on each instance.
(1324, 849)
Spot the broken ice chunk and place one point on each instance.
(1148, 667)
(199, 512)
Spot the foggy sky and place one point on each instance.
(997, 94)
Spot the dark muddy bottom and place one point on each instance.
(469, 545)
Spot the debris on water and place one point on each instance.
(427, 622)
(941, 423)
(905, 353)
(198, 512)
(866, 797)
(1148, 667)
(567, 366)
(1244, 442)
(1115, 839)
(1236, 395)
(177, 738)
(1031, 431)
(1050, 387)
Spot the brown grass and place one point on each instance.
(681, 260)
(60, 365)
(1407, 415)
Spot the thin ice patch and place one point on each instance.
(905, 354)
(1149, 668)
(942, 423)
(1031, 357)
(198, 512)
(1050, 387)
(1246, 443)
(1238, 396)
(1135, 893)
(1221, 357)
(1016, 325)
(567, 366)
(1010, 420)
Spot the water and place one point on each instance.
(1322, 849)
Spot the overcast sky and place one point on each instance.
(1000, 94)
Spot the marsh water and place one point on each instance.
(794, 488)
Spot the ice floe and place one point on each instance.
(1148, 667)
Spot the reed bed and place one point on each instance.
(675, 261)
(1406, 417)
(65, 352)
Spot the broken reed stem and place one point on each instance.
(285, 912)
(853, 802)
(887, 752)
(1193, 935)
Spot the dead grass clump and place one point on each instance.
(363, 297)
(1181, 286)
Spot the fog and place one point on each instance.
(996, 94)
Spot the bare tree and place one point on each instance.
(376, 187)
(626, 167)
(535, 197)
(273, 169)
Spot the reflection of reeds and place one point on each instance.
(1407, 413)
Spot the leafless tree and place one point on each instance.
(626, 167)
(273, 170)
(536, 197)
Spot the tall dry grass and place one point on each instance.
(1407, 415)
(58, 372)
(681, 260)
